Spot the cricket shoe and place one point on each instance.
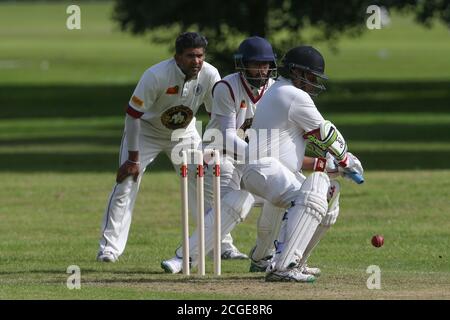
(174, 265)
(310, 270)
(233, 254)
(259, 265)
(106, 256)
(289, 275)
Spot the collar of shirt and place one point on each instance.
(255, 90)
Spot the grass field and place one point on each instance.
(61, 118)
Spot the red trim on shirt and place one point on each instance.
(249, 91)
(228, 85)
(134, 113)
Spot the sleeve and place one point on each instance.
(305, 114)
(208, 100)
(223, 99)
(144, 95)
(233, 144)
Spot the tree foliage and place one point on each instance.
(226, 23)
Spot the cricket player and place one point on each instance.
(235, 100)
(166, 99)
(289, 108)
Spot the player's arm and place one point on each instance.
(323, 136)
(142, 98)
(223, 110)
(308, 163)
(328, 142)
(208, 99)
(131, 167)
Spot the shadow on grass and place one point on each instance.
(108, 162)
(408, 133)
(110, 100)
(34, 102)
(366, 132)
(72, 162)
(386, 96)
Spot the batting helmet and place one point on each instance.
(255, 49)
(307, 59)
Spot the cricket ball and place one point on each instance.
(377, 240)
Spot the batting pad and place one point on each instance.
(269, 223)
(327, 221)
(302, 219)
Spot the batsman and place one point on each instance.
(311, 203)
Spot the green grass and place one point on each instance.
(36, 47)
(402, 50)
(51, 221)
(62, 95)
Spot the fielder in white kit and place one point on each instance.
(166, 98)
(235, 100)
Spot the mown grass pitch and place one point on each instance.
(60, 129)
(51, 221)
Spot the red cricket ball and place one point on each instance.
(377, 240)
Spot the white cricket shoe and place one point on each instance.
(233, 253)
(106, 256)
(310, 270)
(289, 275)
(174, 265)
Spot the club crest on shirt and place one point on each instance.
(198, 89)
(177, 117)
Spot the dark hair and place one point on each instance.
(188, 40)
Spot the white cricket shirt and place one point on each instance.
(164, 101)
(292, 112)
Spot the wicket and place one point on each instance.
(198, 156)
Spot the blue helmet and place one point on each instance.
(255, 49)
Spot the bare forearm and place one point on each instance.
(308, 163)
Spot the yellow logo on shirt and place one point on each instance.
(177, 117)
(137, 101)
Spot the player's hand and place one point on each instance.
(128, 169)
(331, 167)
(352, 164)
